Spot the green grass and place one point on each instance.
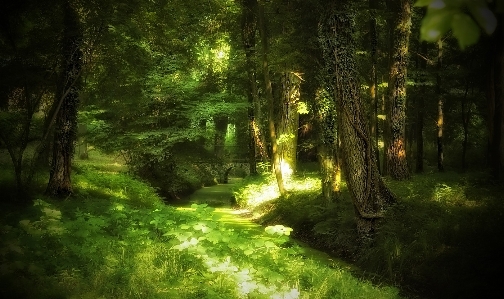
(115, 238)
(442, 240)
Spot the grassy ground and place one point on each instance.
(115, 238)
(442, 240)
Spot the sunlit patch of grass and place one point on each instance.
(304, 184)
(256, 191)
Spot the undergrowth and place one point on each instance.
(442, 240)
(115, 238)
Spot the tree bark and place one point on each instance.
(373, 111)
(60, 184)
(420, 111)
(327, 118)
(466, 118)
(495, 97)
(221, 124)
(440, 115)
(271, 103)
(249, 28)
(329, 160)
(369, 194)
(82, 141)
(289, 122)
(396, 113)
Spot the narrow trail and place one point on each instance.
(219, 197)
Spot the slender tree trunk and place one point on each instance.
(373, 115)
(420, 111)
(221, 124)
(390, 21)
(466, 118)
(396, 113)
(66, 123)
(269, 96)
(82, 141)
(369, 194)
(440, 116)
(16, 143)
(495, 96)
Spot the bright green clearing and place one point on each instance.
(117, 239)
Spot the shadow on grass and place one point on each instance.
(442, 240)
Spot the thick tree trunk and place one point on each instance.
(66, 124)
(396, 112)
(289, 122)
(369, 194)
(269, 96)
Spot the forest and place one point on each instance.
(281, 149)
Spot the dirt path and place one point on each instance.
(219, 196)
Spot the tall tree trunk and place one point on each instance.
(396, 113)
(495, 96)
(373, 111)
(289, 122)
(440, 115)
(420, 110)
(466, 118)
(369, 194)
(271, 103)
(327, 118)
(249, 27)
(66, 123)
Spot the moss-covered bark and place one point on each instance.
(369, 194)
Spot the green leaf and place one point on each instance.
(483, 15)
(269, 244)
(436, 23)
(465, 30)
(259, 243)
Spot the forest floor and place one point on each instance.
(441, 240)
(116, 238)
